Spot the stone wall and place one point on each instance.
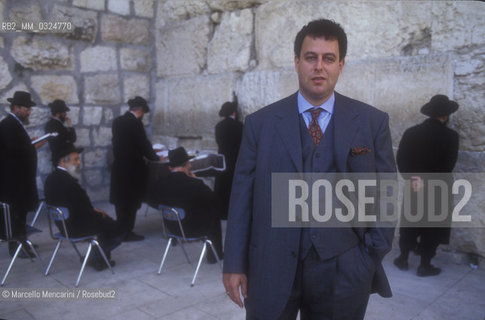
(188, 57)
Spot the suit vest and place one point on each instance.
(328, 242)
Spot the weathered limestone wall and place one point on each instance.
(188, 57)
(106, 60)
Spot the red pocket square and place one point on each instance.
(359, 150)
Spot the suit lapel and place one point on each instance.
(346, 126)
(288, 128)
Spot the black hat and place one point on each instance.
(227, 109)
(439, 106)
(22, 99)
(178, 157)
(139, 102)
(65, 150)
(58, 106)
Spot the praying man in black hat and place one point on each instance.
(61, 124)
(62, 189)
(18, 166)
(182, 189)
(427, 148)
(131, 149)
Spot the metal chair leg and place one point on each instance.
(164, 255)
(202, 254)
(53, 257)
(84, 264)
(11, 263)
(101, 251)
(39, 209)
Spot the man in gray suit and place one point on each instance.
(323, 273)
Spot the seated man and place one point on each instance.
(62, 189)
(182, 189)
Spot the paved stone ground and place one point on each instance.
(458, 293)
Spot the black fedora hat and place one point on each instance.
(439, 106)
(178, 157)
(65, 150)
(139, 102)
(58, 106)
(227, 109)
(22, 99)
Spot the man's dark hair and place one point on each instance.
(322, 28)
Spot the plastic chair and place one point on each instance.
(61, 214)
(9, 237)
(178, 215)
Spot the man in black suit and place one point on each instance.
(61, 124)
(18, 165)
(427, 148)
(182, 189)
(62, 189)
(131, 149)
(228, 138)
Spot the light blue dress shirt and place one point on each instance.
(304, 108)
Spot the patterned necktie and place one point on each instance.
(314, 127)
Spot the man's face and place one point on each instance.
(22, 113)
(318, 68)
(62, 116)
(73, 166)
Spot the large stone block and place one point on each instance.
(83, 138)
(102, 136)
(404, 85)
(170, 10)
(92, 116)
(5, 76)
(98, 59)
(25, 12)
(44, 162)
(468, 92)
(182, 47)
(94, 158)
(119, 6)
(230, 47)
(11, 92)
(457, 24)
(357, 81)
(92, 177)
(85, 23)
(191, 115)
(102, 89)
(117, 29)
(42, 54)
(38, 117)
(90, 4)
(260, 88)
(144, 8)
(136, 85)
(135, 59)
(73, 114)
(53, 87)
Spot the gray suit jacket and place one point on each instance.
(271, 143)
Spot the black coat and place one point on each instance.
(197, 199)
(429, 147)
(62, 190)
(228, 138)
(129, 170)
(18, 165)
(65, 135)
